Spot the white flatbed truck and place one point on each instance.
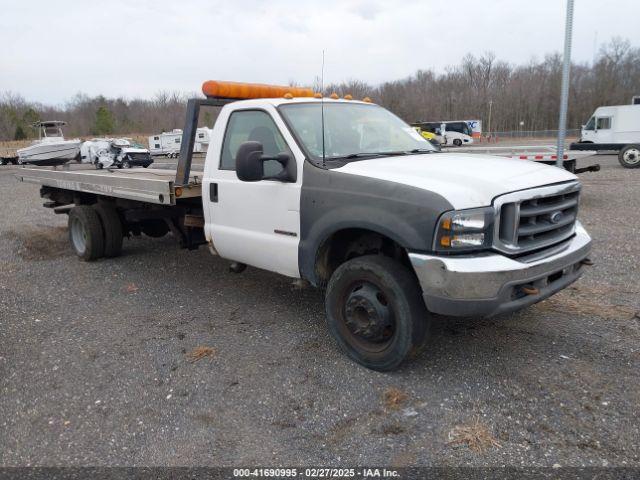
(546, 154)
(614, 129)
(344, 195)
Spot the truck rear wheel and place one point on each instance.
(112, 227)
(86, 232)
(375, 311)
(629, 156)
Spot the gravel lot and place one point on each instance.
(96, 366)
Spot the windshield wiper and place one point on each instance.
(396, 153)
(371, 154)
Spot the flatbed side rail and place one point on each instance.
(189, 135)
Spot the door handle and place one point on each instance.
(213, 192)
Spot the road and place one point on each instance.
(97, 361)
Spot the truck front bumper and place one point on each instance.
(490, 283)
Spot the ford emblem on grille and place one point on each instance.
(556, 217)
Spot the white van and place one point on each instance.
(614, 128)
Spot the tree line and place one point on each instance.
(504, 96)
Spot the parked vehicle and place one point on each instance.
(615, 128)
(453, 133)
(9, 159)
(114, 152)
(346, 196)
(168, 143)
(51, 148)
(435, 140)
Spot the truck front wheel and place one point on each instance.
(629, 156)
(86, 233)
(375, 311)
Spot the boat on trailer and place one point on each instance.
(51, 148)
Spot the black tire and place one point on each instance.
(155, 228)
(126, 164)
(457, 142)
(629, 156)
(381, 300)
(112, 227)
(86, 233)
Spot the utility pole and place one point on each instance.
(489, 122)
(564, 92)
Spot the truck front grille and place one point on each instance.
(140, 157)
(536, 218)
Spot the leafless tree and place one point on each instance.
(527, 93)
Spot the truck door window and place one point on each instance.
(256, 126)
(590, 124)
(604, 123)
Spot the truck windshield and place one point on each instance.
(590, 124)
(351, 131)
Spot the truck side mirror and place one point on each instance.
(250, 164)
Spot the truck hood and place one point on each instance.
(466, 181)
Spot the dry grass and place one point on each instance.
(393, 398)
(8, 148)
(476, 436)
(200, 352)
(39, 243)
(588, 301)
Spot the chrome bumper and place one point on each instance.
(490, 283)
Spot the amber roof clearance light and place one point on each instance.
(245, 91)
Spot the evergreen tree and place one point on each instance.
(104, 123)
(20, 134)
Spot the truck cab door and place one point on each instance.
(256, 223)
(603, 132)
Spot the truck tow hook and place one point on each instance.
(590, 168)
(237, 267)
(529, 290)
(586, 261)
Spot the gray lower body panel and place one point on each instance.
(492, 283)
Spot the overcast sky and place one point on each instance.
(51, 50)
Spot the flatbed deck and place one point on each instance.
(142, 184)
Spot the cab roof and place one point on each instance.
(276, 102)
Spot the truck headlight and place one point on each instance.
(461, 230)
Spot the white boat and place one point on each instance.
(51, 148)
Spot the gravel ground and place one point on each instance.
(96, 363)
